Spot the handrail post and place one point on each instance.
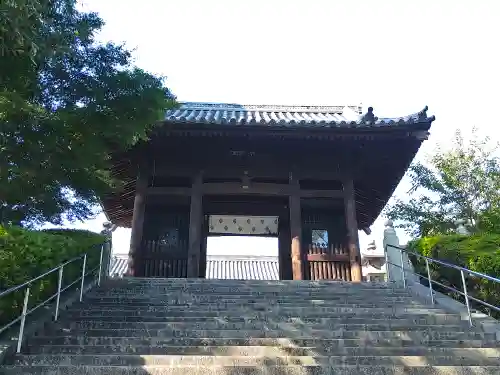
(23, 319)
(100, 266)
(83, 276)
(59, 287)
(466, 297)
(430, 280)
(403, 268)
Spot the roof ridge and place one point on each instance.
(267, 107)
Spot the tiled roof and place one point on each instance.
(222, 267)
(242, 267)
(286, 116)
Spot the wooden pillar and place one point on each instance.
(352, 231)
(296, 231)
(137, 225)
(195, 227)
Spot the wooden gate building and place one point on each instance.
(309, 175)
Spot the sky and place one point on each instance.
(396, 56)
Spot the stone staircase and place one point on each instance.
(228, 327)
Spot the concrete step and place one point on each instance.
(258, 325)
(216, 360)
(264, 351)
(417, 336)
(250, 370)
(317, 342)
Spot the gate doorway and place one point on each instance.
(242, 247)
(242, 258)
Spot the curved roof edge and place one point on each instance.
(284, 115)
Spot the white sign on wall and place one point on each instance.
(244, 225)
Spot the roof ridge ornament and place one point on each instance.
(422, 115)
(369, 117)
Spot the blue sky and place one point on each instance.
(396, 56)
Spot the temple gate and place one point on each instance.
(320, 173)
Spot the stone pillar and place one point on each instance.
(195, 227)
(461, 229)
(108, 229)
(352, 231)
(394, 269)
(137, 220)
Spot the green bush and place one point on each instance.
(25, 254)
(480, 253)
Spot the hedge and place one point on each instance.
(480, 253)
(25, 254)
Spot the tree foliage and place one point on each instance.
(66, 103)
(480, 253)
(462, 183)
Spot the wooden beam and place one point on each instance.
(195, 227)
(234, 188)
(258, 171)
(296, 231)
(170, 190)
(137, 224)
(352, 230)
(321, 193)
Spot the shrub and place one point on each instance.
(480, 253)
(25, 254)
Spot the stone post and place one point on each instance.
(394, 269)
(461, 229)
(108, 229)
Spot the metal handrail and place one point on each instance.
(463, 272)
(57, 295)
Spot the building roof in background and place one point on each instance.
(285, 116)
(242, 267)
(222, 267)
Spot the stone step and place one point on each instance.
(246, 310)
(224, 297)
(224, 288)
(259, 325)
(266, 351)
(380, 313)
(443, 319)
(224, 304)
(231, 282)
(417, 336)
(332, 343)
(246, 292)
(217, 360)
(400, 369)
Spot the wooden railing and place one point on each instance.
(159, 260)
(327, 263)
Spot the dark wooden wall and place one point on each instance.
(325, 261)
(164, 245)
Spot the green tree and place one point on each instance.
(462, 183)
(66, 104)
